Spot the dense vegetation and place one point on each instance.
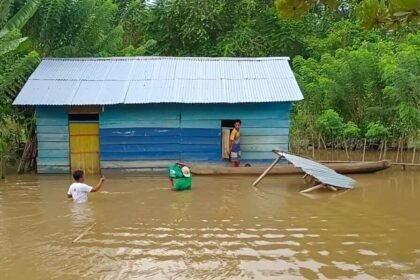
(357, 61)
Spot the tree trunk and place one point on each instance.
(385, 147)
(345, 148)
(2, 167)
(402, 150)
(398, 150)
(323, 142)
(414, 154)
(381, 148)
(364, 150)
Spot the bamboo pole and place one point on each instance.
(313, 150)
(402, 150)
(398, 150)
(385, 148)
(266, 171)
(313, 188)
(332, 188)
(319, 142)
(364, 150)
(83, 233)
(381, 147)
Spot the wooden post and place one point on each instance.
(313, 188)
(2, 167)
(313, 150)
(385, 148)
(398, 150)
(266, 171)
(319, 142)
(402, 150)
(332, 188)
(364, 150)
(381, 147)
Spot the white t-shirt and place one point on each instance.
(79, 192)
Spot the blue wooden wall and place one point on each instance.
(154, 135)
(53, 139)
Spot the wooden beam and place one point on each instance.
(266, 171)
(313, 188)
(84, 109)
(406, 164)
(332, 188)
(83, 233)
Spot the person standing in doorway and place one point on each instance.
(234, 144)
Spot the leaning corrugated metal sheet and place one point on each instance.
(142, 80)
(320, 172)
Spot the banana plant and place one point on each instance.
(11, 43)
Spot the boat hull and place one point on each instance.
(339, 167)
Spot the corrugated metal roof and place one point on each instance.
(320, 172)
(140, 80)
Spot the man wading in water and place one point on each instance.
(78, 190)
(234, 144)
(182, 173)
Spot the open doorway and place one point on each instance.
(227, 127)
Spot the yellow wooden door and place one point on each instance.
(84, 147)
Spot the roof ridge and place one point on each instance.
(117, 58)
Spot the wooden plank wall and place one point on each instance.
(264, 125)
(53, 139)
(154, 135)
(137, 136)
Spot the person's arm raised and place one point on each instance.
(98, 185)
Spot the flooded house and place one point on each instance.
(147, 112)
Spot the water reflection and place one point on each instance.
(221, 229)
(81, 214)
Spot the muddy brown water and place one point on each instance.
(222, 229)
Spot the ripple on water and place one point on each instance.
(365, 252)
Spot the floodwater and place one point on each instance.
(222, 229)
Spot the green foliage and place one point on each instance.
(372, 78)
(23, 15)
(331, 124)
(77, 28)
(371, 13)
(10, 39)
(350, 76)
(376, 131)
(351, 131)
(15, 66)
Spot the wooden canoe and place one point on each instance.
(357, 167)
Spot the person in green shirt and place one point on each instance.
(183, 177)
